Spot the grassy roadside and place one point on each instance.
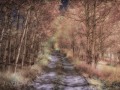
(106, 77)
(11, 81)
(103, 75)
(14, 81)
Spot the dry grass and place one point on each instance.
(21, 77)
(103, 71)
(25, 75)
(114, 73)
(106, 73)
(89, 70)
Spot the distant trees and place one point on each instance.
(95, 28)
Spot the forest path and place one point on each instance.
(60, 74)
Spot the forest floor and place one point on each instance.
(61, 73)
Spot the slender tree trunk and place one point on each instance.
(93, 34)
(87, 16)
(1, 38)
(24, 50)
(32, 44)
